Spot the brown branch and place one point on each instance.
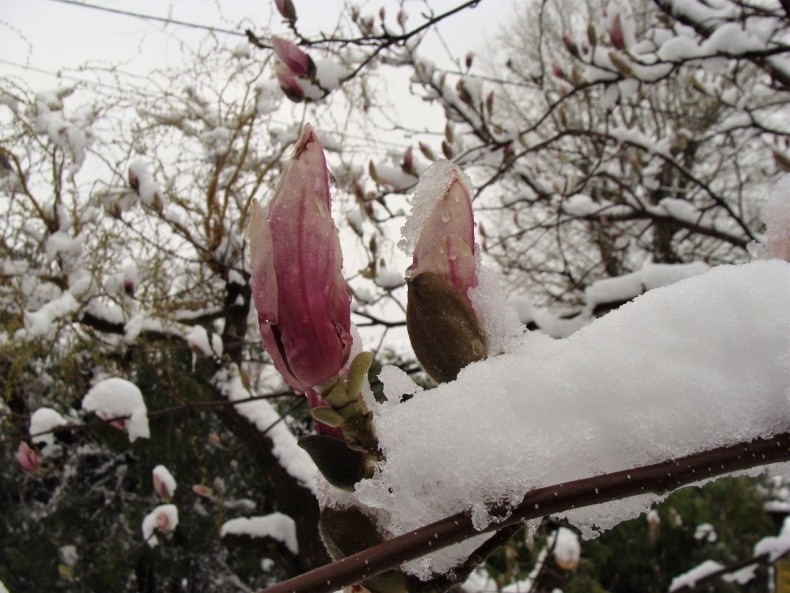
(725, 570)
(658, 478)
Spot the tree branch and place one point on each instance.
(658, 478)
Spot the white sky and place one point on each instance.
(50, 35)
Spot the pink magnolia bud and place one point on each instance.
(616, 32)
(443, 327)
(162, 522)
(557, 70)
(304, 307)
(407, 164)
(286, 9)
(289, 82)
(164, 483)
(202, 490)
(27, 458)
(446, 245)
(293, 57)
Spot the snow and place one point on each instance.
(164, 482)
(602, 292)
(117, 398)
(623, 288)
(397, 382)
(3, 588)
(705, 531)
(566, 548)
(39, 323)
(498, 318)
(387, 278)
(742, 576)
(689, 579)
(197, 338)
(42, 421)
(147, 188)
(329, 74)
(260, 412)
(724, 377)
(277, 526)
(431, 188)
(163, 518)
(775, 547)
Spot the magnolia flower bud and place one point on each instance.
(27, 458)
(289, 82)
(293, 57)
(616, 32)
(446, 243)
(443, 328)
(298, 288)
(286, 9)
(164, 483)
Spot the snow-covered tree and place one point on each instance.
(620, 148)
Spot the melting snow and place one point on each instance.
(700, 364)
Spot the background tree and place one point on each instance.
(621, 135)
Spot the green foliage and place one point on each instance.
(641, 556)
(94, 489)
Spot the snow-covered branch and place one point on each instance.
(658, 478)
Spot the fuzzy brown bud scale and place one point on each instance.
(443, 328)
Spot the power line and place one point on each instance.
(149, 17)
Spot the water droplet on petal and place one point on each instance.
(478, 349)
(446, 217)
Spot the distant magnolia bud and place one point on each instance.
(407, 164)
(401, 18)
(490, 103)
(289, 82)
(293, 57)
(443, 329)
(134, 181)
(286, 9)
(26, 458)
(570, 45)
(557, 70)
(616, 32)
(164, 484)
(468, 59)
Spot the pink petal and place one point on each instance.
(291, 55)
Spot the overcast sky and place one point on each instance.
(53, 35)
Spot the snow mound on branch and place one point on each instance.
(689, 579)
(40, 323)
(164, 482)
(277, 526)
(262, 414)
(699, 364)
(42, 422)
(775, 547)
(118, 398)
(163, 518)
